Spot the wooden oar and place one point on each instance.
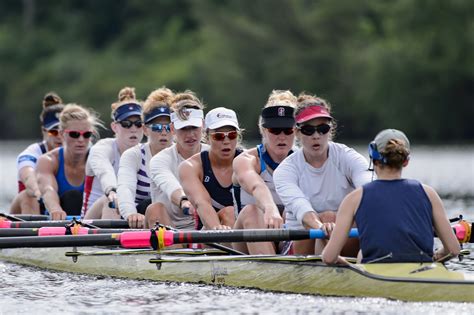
(143, 239)
(109, 224)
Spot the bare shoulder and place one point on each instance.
(246, 159)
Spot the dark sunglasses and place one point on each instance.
(53, 132)
(128, 123)
(76, 134)
(309, 130)
(159, 127)
(277, 131)
(220, 136)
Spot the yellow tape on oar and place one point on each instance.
(161, 237)
(75, 229)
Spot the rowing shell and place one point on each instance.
(294, 274)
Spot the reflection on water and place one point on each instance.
(28, 290)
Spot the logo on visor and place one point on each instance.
(162, 109)
(220, 115)
(130, 108)
(281, 111)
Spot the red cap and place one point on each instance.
(311, 112)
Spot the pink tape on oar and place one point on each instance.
(58, 230)
(5, 224)
(169, 238)
(460, 231)
(135, 239)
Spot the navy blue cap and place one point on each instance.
(51, 120)
(127, 110)
(279, 116)
(157, 112)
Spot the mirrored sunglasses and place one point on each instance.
(76, 134)
(277, 131)
(128, 123)
(159, 127)
(220, 136)
(309, 130)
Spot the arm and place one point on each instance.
(189, 174)
(28, 178)
(130, 163)
(442, 227)
(345, 219)
(356, 168)
(99, 160)
(245, 169)
(286, 178)
(46, 170)
(163, 172)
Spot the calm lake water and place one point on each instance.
(448, 169)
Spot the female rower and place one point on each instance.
(61, 172)
(100, 199)
(395, 216)
(133, 190)
(207, 176)
(313, 181)
(170, 204)
(258, 204)
(29, 194)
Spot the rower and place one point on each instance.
(26, 202)
(207, 176)
(133, 190)
(313, 181)
(170, 205)
(395, 216)
(61, 172)
(258, 204)
(100, 193)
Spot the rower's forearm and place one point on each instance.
(311, 220)
(208, 216)
(51, 200)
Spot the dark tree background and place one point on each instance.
(381, 63)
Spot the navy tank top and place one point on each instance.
(221, 197)
(63, 184)
(395, 222)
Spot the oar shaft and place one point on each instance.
(60, 241)
(108, 224)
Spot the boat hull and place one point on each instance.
(294, 274)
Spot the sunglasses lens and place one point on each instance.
(138, 123)
(160, 127)
(74, 134)
(218, 136)
(323, 129)
(53, 132)
(232, 135)
(309, 130)
(125, 123)
(87, 134)
(277, 131)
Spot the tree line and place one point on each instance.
(390, 63)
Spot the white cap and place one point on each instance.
(195, 117)
(220, 117)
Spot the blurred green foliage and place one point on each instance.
(381, 63)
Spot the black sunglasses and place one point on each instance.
(309, 130)
(277, 131)
(128, 123)
(76, 134)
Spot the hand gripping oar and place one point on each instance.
(162, 238)
(213, 245)
(109, 224)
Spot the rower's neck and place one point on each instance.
(74, 159)
(276, 157)
(219, 162)
(387, 173)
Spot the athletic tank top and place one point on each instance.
(267, 166)
(221, 197)
(395, 222)
(63, 184)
